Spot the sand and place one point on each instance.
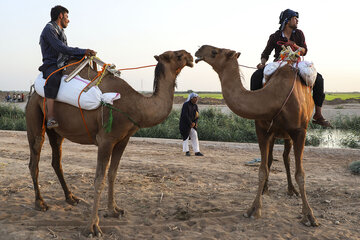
(167, 195)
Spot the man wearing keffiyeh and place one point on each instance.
(289, 34)
(188, 124)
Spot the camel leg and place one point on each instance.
(56, 141)
(104, 153)
(34, 118)
(299, 141)
(264, 142)
(286, 158)
(113, 209)
(270, 160)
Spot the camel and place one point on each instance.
(276, 114)
(144, 112)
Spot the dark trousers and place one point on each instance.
(53, 83)
(318, 88)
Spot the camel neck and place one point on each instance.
(260, 104)
(156, 108)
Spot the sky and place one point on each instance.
(129, 33)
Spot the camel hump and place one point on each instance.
(306, 69)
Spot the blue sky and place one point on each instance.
(129, 33)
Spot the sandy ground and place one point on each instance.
(167, 195)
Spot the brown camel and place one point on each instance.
(143, 111)
(271, 119)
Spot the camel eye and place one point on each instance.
(213, 53)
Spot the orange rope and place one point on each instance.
(99, 73)
(43, 125)
(123, 69)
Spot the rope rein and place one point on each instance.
(100, 74)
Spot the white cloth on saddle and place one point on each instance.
(306, 70)
(69, 93)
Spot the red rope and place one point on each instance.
(124, 69)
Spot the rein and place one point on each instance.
(283, 105)
(100, 75)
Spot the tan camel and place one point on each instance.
(263, 105)
(145, 111)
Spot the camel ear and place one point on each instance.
(166, 56)
(156, 57)
(231, 54)
(238, 54)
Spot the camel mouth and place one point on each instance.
(199, 59)
(189, 64)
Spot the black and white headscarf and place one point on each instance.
(285, 16)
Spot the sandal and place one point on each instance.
(322, 122)
(52, 123)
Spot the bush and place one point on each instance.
(12, 118)
(355, 167)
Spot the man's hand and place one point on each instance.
(260, 66)
(90, 52)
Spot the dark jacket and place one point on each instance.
(297, 36)
(188, 116)
(54, 47)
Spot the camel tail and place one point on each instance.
(31, 92)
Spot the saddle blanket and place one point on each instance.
(69, 93)
(306, 70)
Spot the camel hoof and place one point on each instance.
(92, 231)
(253, 213)
(72, 200)
(115, 213)
(40, 205)
(309, 220)
(292, 191)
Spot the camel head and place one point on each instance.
(177, 60)
(215, 57)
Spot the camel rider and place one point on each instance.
(294, 37)
(55, 54)
(188, 124)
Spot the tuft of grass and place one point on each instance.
(355, 167)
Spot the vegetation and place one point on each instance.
(328, 96)
(355, 167)
(12, 118)
(213, 126)
(202, 95)
(342, 96)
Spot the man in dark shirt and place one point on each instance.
(188, 124)
(293, 37)
(55, 54)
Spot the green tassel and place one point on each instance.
(108, 125)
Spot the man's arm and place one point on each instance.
(266, 53)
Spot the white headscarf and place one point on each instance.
(191, 96)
